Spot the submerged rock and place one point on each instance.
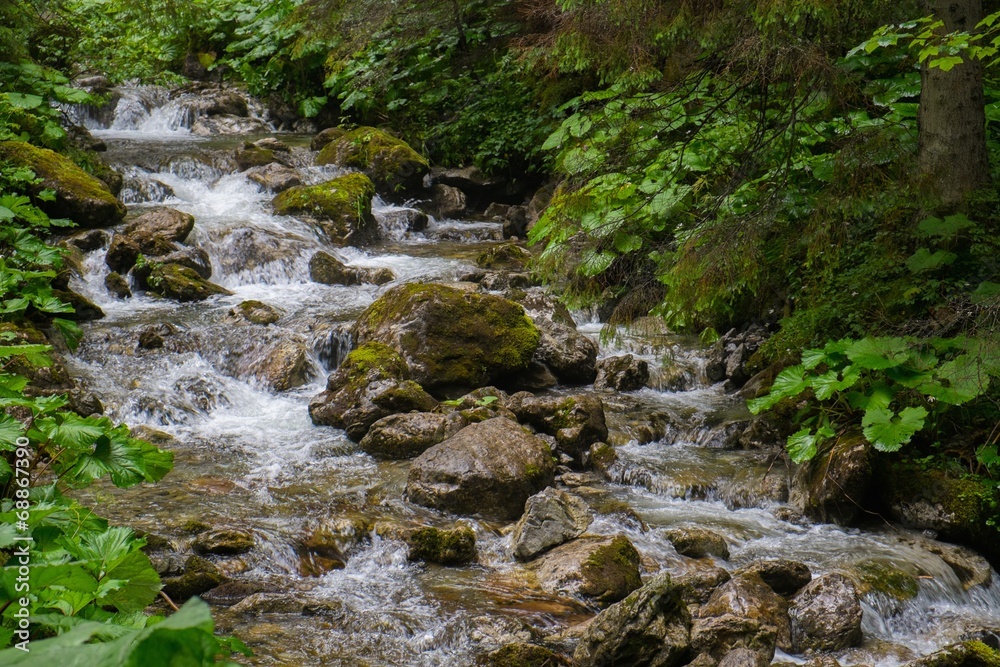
(223, 541)
(624, 373)
(396, 169)
(504, 256)
(341, 207)
(445, 547)
(251, 155)
(551, 518)
(490, 468)
(602, 569)
(372, 383)
(78, 196)
(326, 269)
(199, 576)
(649, 628)
(284, 366)
(324, 137)
(451, 340)
(826, 615)
(522, 655)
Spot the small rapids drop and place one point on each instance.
(249, 457)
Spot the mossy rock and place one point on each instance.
(878, 575)
(505, 256)
(602, 569)
(79, 196)
(182, 283)
(373, 382)
(256, 312)
(957, 507)
(341, 207)
(200, 575)
(395, 168)
(521, 655)
(452, 340)
(445, 547)
(965, 654)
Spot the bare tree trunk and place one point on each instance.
(952, 118)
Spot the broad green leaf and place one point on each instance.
(813, 358)
(832, 382)
(878, 353)
(888, 431)
(924, 260)
(802, 445)
(986, 291)
(945, 64)
(947, 228)
(141, 583)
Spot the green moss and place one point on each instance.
(966, 654)
(182, 283)
(375, 356)
(504, 256)
(522, 655)
(466, 340)
(612, 571)
(79, 196)
(258, 312)
(964, 499)
(344, 203)
(447, 547)
(881, 576)
(391, 163)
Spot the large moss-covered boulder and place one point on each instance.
(395, 168)
(519, 654)
(490, 468)
(964, 654)
(79, 196)
(831, 485)
(341, 207)
(957, 507)
(452, 340)
(372, 383)
(600, 569)
(182, 283)
(649, 628)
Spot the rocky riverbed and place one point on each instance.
(394, 448)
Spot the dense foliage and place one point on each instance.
(714, 164)
(88, 582)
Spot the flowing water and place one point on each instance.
(250, 458)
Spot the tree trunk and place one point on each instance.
(952, 120)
